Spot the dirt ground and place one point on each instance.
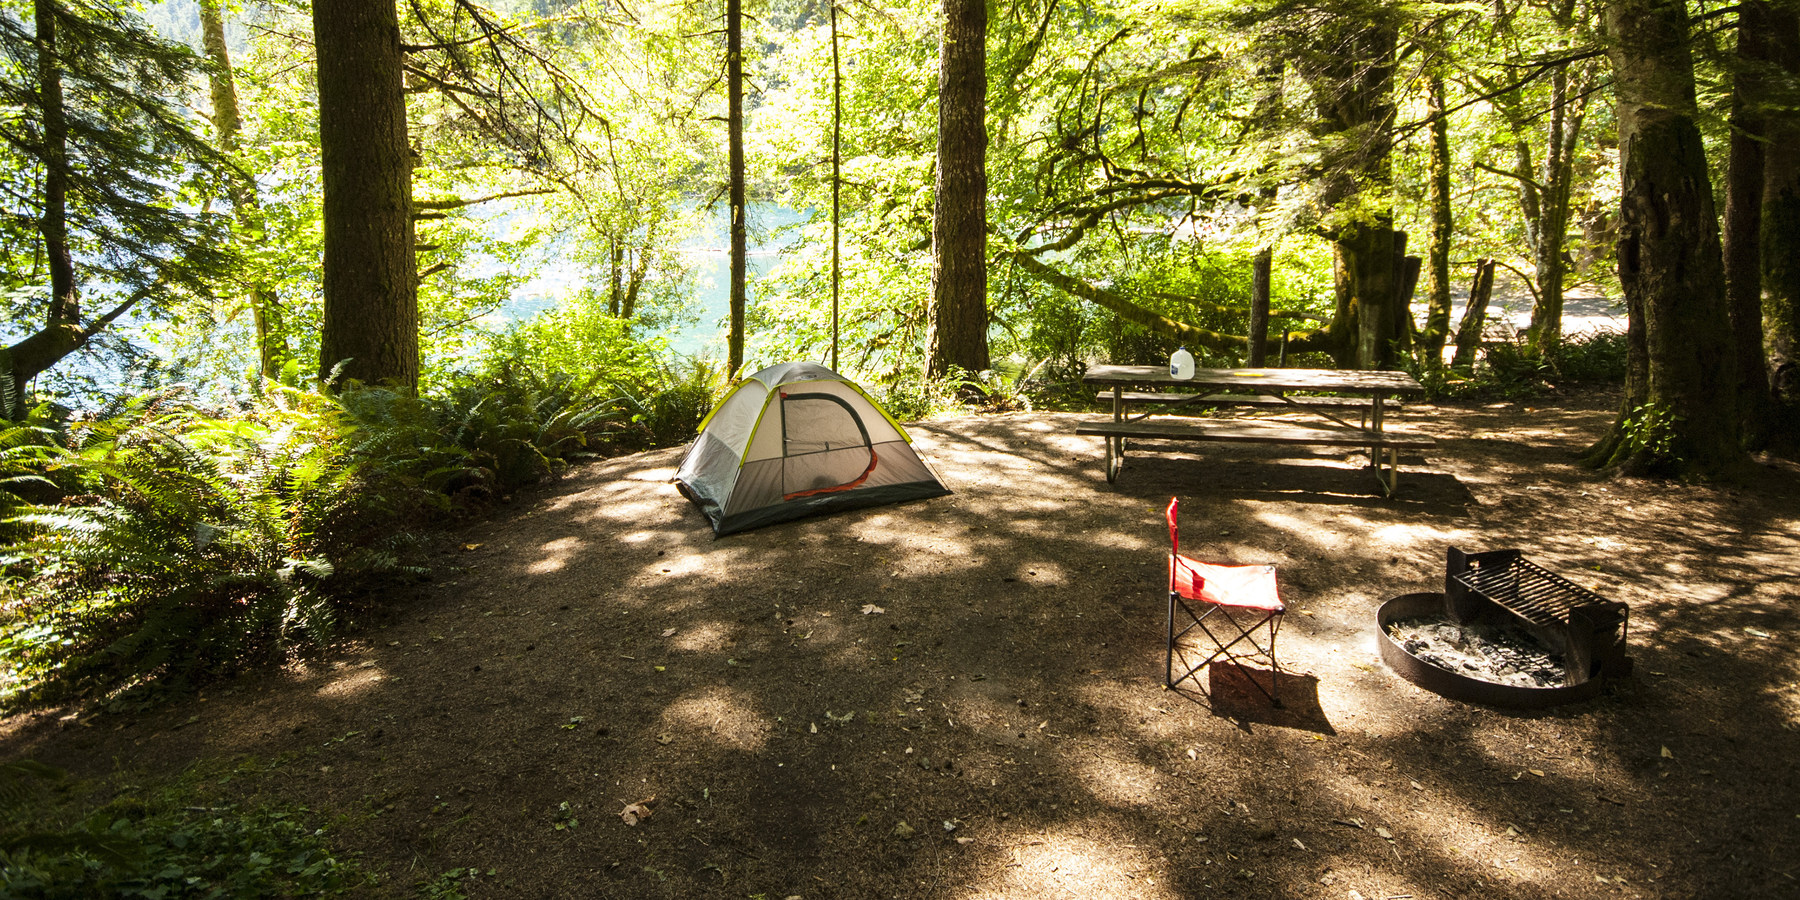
(998, 726)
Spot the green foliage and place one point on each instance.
(190, 545)
(164, 847)
(1651, 430)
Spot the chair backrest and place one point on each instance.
(1174, 532)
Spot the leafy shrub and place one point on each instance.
(1595, 356)
(165, 848)
(192, 544)
(673, 409)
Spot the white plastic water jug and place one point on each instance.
(1181, 365)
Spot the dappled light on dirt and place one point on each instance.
(985, 670)
(350, 683)
(1066, 863)
(556, 555)
(721, 716)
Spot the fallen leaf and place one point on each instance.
(637, 812)
(664, 738)
(815, 728)
(846, 717)
(1298, 844)
(1538, 772)
(668, 632)
(1666, 754)
(950, 824)
(468, 547)
(903, 831)
(1193, 754)
(965, 841)
(1757, 632)
(1417, 786)
(870, 609)
(1385, 834)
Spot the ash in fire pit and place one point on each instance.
(1496, 653)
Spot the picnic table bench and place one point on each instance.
(1260, 388)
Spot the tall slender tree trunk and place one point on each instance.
(837, 177)
(1781, 229)
(956, 329)
(265, 303)
(1437, 252)
(371, 319)
(1682, 418)
(53, 224)
(62, 333)
(740, 235)
(1743, 218)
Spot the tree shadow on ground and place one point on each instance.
(961, 698)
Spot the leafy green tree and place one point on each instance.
(99, 157)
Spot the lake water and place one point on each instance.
(707, 253)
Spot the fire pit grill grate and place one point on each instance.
(1500, 589)
(1524, 588)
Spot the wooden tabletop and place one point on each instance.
(1343, 381)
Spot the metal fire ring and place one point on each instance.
(1461, 687)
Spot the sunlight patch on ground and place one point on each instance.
(351, 683)
(722, 715)
(1114, 780)
(705, 637)
(1044, 865)
(556, 555)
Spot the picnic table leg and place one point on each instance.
(1375, 426)
(1115, 454)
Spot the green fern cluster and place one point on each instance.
(186, 543)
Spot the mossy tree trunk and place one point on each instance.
(1681, 416)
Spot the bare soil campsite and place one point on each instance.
(961, 698)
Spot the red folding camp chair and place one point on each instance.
(1240, 601)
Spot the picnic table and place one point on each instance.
(1256, 388)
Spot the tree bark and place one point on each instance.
(1743, 218)
(265, 303)
(1260, 270)
(1474, 318)
(740, 240)
(1356, 111)
(1781, 230)
(371, 318)
(956, 329)
(1683, 417)
(1437, 291)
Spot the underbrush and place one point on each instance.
(158, 544)
(1508, 372)
(173, 842)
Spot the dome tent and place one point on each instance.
(797, 439)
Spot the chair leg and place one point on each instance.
(1169, 649)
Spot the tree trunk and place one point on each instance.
(371, 318)
(1781, 230)
(740, 234)
(265, 303)
(1437, 291)
(1356, 111)
(615, 297)
(1683, 417)
(956, 330)
(53, 224)
(837, 178)
(1743, 219)
(1259, 307)
(1474, 318)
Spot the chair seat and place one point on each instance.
(1241, 587)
